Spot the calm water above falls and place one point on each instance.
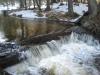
(16, 29)
(71, 55)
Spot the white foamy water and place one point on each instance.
(2, 37)
(71, 55)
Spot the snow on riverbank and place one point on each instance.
(10, 7)
(27, 14)
(79, 9)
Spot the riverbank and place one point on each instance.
(57, 12)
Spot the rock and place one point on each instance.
(91, 24)
(39, 14)
(42, 71)
(77, 4)
(10, 54)
(61, 4)
(2, 72)
(5, 13)
(97, 62)
(13, 14)
(19, 15)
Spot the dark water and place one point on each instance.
(15, 29)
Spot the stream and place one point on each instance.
(74, 54)
(15, 29)
(71, 55)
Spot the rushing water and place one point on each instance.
(2, 37)
(71, 55)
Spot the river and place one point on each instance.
(71, 55)
(16, 29)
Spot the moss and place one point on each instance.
(54, 17)
(70, 16)
(39, 14)
(61, 15)
(51, 72)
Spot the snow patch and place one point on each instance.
(27, 14)
(79, 9)
(10, 7)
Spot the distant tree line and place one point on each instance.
(26, 4)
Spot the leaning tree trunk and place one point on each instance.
(92, 7)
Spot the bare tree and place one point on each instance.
(70, 6)
(92, 7)
(38, 2)
(48, 5)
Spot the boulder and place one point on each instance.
(10, 54)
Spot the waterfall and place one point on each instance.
(2, 37)
(71, 55)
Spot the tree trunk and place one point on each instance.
(25, 3)
(92, 7)
(38, 4)
(53, 1)
(70, 6)
(34, 3)
(21, 4)
(48, 6)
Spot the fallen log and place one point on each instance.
(61, 21)
(40, 39)
(74, 26)
(9, 60)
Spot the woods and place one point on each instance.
(26, 4)
(49, 37)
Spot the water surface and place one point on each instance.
(71, 55)
(16, 29)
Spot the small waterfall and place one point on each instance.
(2, 37)
(71, 55)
